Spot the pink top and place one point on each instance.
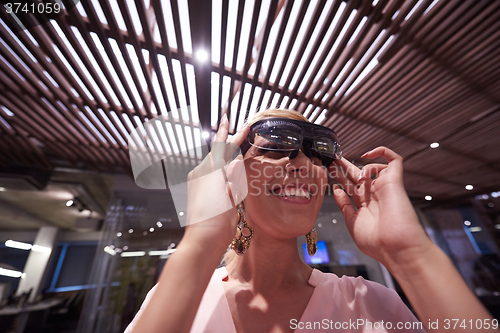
(345, 304)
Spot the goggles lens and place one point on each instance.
(275, 137)
(324, 143)
(282, 134)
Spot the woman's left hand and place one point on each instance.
(385, 225)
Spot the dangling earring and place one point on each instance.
(312, 242)
(244, 233)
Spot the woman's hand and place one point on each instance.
(214, 188)
(187, 272)
(385, 225)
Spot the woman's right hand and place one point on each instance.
(214, 188)
(187, 272)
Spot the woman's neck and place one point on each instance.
(270, 263)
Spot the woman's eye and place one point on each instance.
(271, 152)
(269, 146)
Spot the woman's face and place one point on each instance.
(284, 195)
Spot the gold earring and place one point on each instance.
(244, 234)
(312, 242)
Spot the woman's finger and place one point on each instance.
(370, 170)
(350, 187)
(219, 145)
(345, 205)
(395, 160)
(235, 142)
(346, 168)
(221, 135)
(240, 136)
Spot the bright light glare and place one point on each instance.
(469, 187)
(205, 135)
(69, 203)
(161, 253)
(2, 189)
(467, 223)
(18, 245)
(181, 213)
(202, 55)
(133, 254)
(434, 145)
(428, 198)
(109, 250)
(10, 272)
(39, 248)
(151, 229)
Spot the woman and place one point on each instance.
(268, 288)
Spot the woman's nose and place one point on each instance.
(299, 163)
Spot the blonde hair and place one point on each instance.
(282, 113)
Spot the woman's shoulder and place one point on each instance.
(356, 288)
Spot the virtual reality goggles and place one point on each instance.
(284, 135)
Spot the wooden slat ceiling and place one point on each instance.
(390, 72)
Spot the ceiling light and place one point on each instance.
(2, 189)
(10, 272)
(133, 254)
(125, 248)
(119, 234)
(467, 223)
(434, 145)
(130, 231)
(69, 203)
(469, 187)
(151, 229)
(181, 213)
(202, 55)
(18, 245)
(159, 224)
(428, 198)
(497, 226)
(334, 221)
(475, 229)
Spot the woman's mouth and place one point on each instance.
(298, 193)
